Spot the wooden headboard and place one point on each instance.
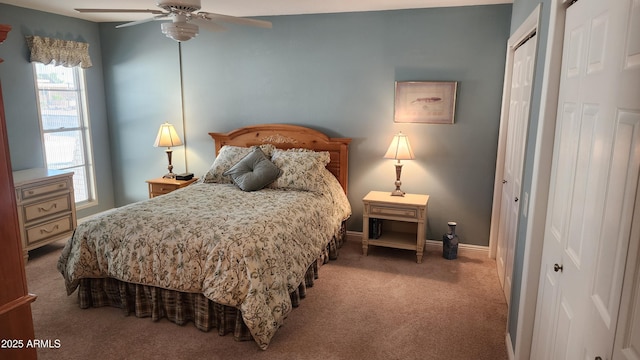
(285, 136)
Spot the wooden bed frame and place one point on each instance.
(285, 136)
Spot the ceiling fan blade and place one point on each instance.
(235, 20)
(119, 11)
(208, 24)
(138, 22)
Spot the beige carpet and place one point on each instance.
(383, 306)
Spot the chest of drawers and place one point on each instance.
(46, 206)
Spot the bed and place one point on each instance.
(234, 251)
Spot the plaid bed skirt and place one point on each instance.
(180, 307)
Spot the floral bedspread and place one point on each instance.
(248, 250)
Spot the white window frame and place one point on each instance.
(85, 133)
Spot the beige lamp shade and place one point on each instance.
(400, 148)
(167, 136)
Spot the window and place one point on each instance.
(65, 125)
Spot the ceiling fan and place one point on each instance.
(185, 18)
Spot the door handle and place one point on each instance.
(516, 199)
(598, 358)
(504, 181)
(557, 268)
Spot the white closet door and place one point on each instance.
(593, 185)
(521, 81)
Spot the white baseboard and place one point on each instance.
(463, 249)
(510, 352)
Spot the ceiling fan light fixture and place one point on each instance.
(179, 31)
(180, 5)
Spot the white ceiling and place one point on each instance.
(238, 7)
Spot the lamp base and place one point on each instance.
(397, 192)
(170, 174)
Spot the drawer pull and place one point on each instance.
(45, 231)
(53, 206)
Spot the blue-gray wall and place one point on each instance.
(332, 72)
(142, 83)
(18, 84)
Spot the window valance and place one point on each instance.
(59, 52)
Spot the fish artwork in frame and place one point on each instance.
(427, 102)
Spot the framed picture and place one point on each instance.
(425, 102)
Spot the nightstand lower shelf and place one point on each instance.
(395, 239)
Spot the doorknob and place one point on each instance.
(598, 358)
(557, 268)
(504, 181)
(516, 200)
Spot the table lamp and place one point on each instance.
(400, 149)
(168, 137)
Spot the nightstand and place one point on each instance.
(161, 186)
(403, 221)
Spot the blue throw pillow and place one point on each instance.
(254, 171)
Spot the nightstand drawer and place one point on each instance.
(158, 189)
(43, 189)
(47, 208)
(49, 229)
(161, 186)
(394, 211)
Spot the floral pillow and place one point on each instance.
(301, 169)
(227, 157)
